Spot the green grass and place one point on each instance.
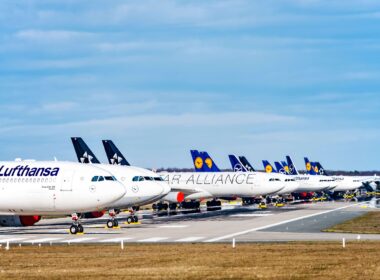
(366, 224)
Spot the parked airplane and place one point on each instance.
(143, 186)
(312, 169)
(30, 189)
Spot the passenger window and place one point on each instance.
(94, 179)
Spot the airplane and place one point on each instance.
(313, 170)
(291, 185)
(30, 189)
(344, 183)
(210, 185)
(142, 186)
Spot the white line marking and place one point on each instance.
(42, 240)
(277, 224)
(173, 226)
(12, 239)
(252, 215)
(154, 239)
(116, 240)
(79, 239)
(189, 239)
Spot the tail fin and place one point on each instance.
(209, 165)
(114, 155)
(310, 167)
(292, 168)
(321, 170)
(236, 164)
(280, 168)
(197, 160)
(246, 164)
(286, 167)
(268, 167)
(83, 152)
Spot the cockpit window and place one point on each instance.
(110, 178)
(141, 179)
(158, 179)
(101, 178)
(94, 179)
(135, 179)
(148, 178)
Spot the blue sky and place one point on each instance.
(259, 78)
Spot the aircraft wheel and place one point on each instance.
(135, 219)
(110, 223)
(129, 220)
(80, 229)
(74, 229)
(115, 223)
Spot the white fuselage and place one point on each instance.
(199, 185)
(313, 183)
(52, 188)
(347, 183)
(142, 186)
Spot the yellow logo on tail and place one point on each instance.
(209, 162)
(316, 169)
(286, 168)
(308, 166)
(268, 169)
(198, 163)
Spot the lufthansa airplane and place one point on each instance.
(29, 189)
(142, 186)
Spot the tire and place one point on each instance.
(110, 224)
(115, 223)
(135, 219)
(129, 220)
(80, 229)
(73, 229)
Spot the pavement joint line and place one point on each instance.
(189, 239)
(154, 239)
(277, 224)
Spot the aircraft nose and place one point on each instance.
(165, 188)
(112, 192)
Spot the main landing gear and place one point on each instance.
(76, 227)
(214, 205)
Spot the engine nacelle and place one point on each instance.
(19, 221)
(174, 197)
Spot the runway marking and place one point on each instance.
(173, 226)
(116, 240)
(277, 224)
(42, 240)
(189, 239)
(252, 215)
(12, 239)
(153, 239)
(79, 239)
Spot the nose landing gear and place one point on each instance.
(76, 227)
(112, 222)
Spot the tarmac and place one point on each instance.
(300, 222)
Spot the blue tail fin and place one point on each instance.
(286, 167)
(268, 167)
(292, 168)
(246, 164)
(113, 154)
(310, 168)
(321, 170)
(83, 152)
(280, 168)
(237, 166)
(209, 165)
(197, 161)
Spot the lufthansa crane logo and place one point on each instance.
(316, 169)
(238, 168)
(268, 169)
(286, 168)
(208, 162)
(198, 163)
(308, 166)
